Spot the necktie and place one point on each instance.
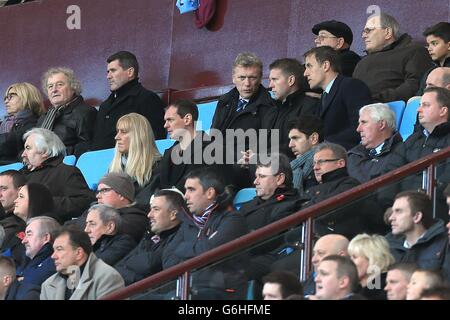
(324, 99)
(373, 153)
(241, 105)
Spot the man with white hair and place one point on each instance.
(68, 116)
(43, 157)
(376, 126)
(394, 65)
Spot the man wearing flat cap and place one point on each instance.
(338, 36)
(116, 190)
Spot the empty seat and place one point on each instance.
(164, 144)
(205, 115)
(244, 195)
(398, 107)
(12, 166)
(409, 118)
(94, 165)
(70, 160)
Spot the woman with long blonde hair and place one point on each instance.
(136, 153)
(24, 105)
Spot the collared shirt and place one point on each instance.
(328, 87)
(408, 246)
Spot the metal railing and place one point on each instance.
(182, 270)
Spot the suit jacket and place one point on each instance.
(97, 280)
(340, 113)
(131, 97)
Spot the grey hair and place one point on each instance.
(48, 225)
(338, 151)
(388, 21)
(74, 83)
(247, 60)
(381, 111)
(107, 214)
(46, 142)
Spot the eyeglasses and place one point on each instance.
(369, 30)
(103, 191)
(321, 37)
(9, 96)
(322, 161)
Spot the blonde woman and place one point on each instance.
(372, 257)
(136, 153)
(24, 104)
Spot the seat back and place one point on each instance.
(70, 160)
(243, 195)
(206, 112)
(409, 118)
(398, 107)
(164, 144)
(12, 166)
(94, 165)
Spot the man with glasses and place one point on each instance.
(394, 65)
(330, 169)
(338, 36)
(116, 190)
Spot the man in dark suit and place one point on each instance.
(248, 105)
(127, 95)
(342, 97)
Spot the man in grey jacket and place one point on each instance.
(80, 274)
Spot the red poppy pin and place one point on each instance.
(20, 235)
(280, 197)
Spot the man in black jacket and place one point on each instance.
(209, 224)
(330, 169)
(69, 116)
(338, 36)
(127, 95)
(146, 258)
(248, 105)
(342, 97)
(289, 85)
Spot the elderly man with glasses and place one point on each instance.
(394, 65)
(338, 36)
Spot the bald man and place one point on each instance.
(439, 77)
(327, 245)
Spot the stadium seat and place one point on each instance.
(398, 107)
(12, 166)
(70, 160)
(164, 144)
(409, 118)
(205, 115)
(243, 195)
(94, 165)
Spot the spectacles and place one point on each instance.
(103, 191)
(369, 30)
(322, 161)
(9, 96)
(321, 37)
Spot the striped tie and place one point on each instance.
(241, 105)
